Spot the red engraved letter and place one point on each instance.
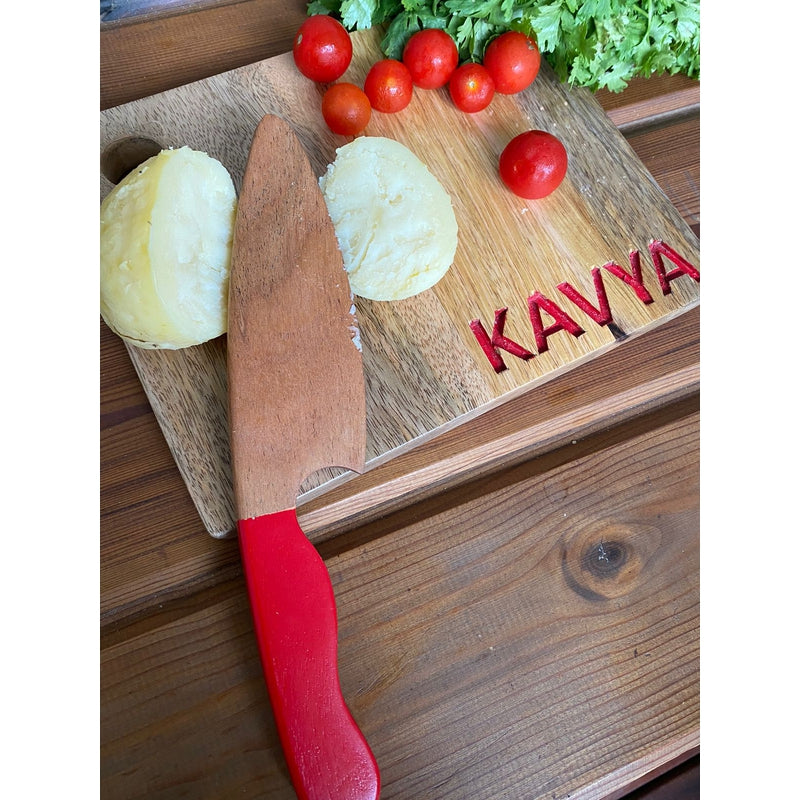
(490, 345)
(602, 314)
(682, 266)
(563, 321)
(633, 278)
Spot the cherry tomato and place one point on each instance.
(322, 49)
(471, 87)
(388, 86)
(513, 61)
(533, 164)
(346, 109)
(431, 56)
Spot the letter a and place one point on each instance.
(563, 321)
(682, 266)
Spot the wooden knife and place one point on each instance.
(297, 404)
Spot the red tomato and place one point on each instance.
(346, 109)
(388, 86)
(513, 61)
(471, 87)
(431, 56)
(322, 49)
(533, 164)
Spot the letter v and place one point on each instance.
(602, 314)
(632, 278)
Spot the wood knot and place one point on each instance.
(605, 559)
(607, 562)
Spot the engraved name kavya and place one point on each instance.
(598, 310)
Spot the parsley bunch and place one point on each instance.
(596, 44)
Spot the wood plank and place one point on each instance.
(682, 782)
(546, 619)
(140, 572)
(672, 152)
(646, 101)
(153, 545)
(145, 55)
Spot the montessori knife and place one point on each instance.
(297, 404)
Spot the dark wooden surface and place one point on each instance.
(183, 706)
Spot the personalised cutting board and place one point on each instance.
(536, 286)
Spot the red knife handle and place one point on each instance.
(294, 614)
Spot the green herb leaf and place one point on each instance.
(595, 43)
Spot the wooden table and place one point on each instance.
(533, 634)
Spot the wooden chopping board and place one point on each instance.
(425, 370)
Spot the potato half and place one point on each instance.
(165, 248)
(394, 221)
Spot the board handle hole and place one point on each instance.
(124, 155)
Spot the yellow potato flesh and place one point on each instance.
(165, 242)
(393, 219)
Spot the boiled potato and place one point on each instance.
(393, 219)
(165, 247)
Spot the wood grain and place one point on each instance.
(650, 102)
(608, 206)
(290, 320)
(679, 173)
(158, 51)
(534, 636)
